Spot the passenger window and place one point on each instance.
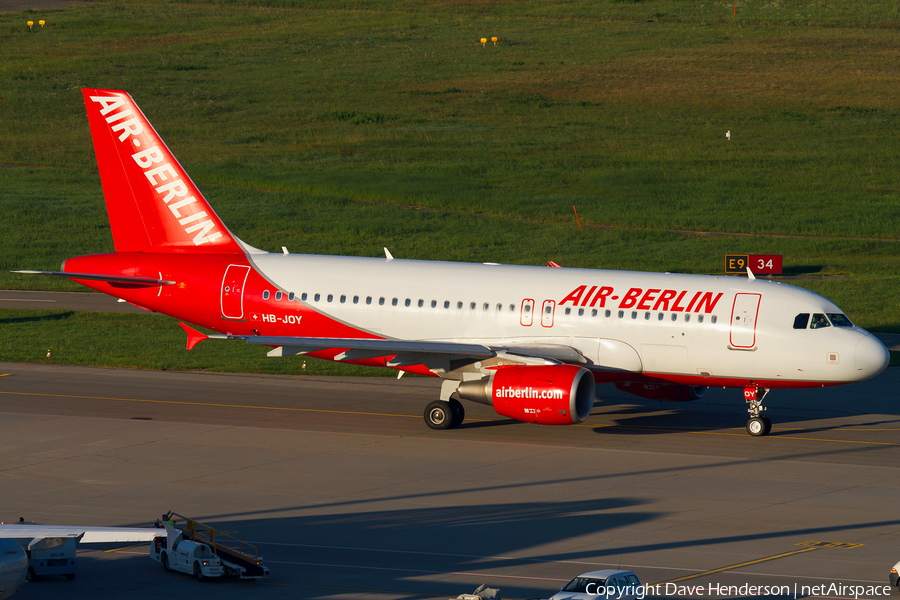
(568, 311)
(580, 312)
(355, 299)
(368, 299)
(471, 306)
(278, 296)
(548, 309)
(303, 296)
(819, 322)
(621, 314)
(512, 308)
(446, 304)
(316, 297)
(499, 308)
(408, 302)
(674, 317)
(459, 305)
(434, 304)
(633, 314)
(839, 320)
(291, 297)
(381, 301)
(394, 302)
(343, 298)
(265, 294)
(699, 318)
(714, 319)
(687, 318)
(421, 303)
(330, 297)
(660, 317)
(594, 313)
(801, 321)
(527, 308)
(608, 314)
(486, 306)
(646, 316)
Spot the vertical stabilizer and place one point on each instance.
(152, 203)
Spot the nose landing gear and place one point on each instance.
(757, 425)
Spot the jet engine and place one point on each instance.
(549, 395)
(663, 391)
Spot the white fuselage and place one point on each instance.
(687, 326)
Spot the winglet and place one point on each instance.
(194, 336)
(750, 274)
(550, 263)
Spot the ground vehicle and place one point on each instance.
(202, 551)
(178, 554)
(51, 556)
(608, 583)
(895, 576)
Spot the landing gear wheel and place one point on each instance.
(438, 415)
(759, 426)
(458, 411)
(165, 561)
(29, 576)
(198, 573)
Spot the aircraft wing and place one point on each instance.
(28, 533)
(358, 348)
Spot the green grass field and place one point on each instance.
(343, 127)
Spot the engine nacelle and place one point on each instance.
(549, 395)
(663, 391)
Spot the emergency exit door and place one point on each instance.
(233, 291)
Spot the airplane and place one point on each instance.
(532, 342)
(15, 538)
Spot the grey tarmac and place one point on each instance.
(349, 495)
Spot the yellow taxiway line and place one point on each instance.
(375, 414)
(743, 564)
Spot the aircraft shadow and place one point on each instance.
(53, 317)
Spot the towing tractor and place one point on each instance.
(178, 554)
(204, 552)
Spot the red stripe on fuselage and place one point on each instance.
(197, 295)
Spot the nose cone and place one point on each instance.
(871, 357)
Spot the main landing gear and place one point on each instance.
(757, 425)
(445, 414)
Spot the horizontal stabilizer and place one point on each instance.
(151, 281)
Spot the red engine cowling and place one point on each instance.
(549, 395)
(663, 391)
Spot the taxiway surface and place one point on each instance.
(349, 495)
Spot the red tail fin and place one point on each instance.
(152, 203)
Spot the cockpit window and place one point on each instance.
(801, 321)
(839, 320)
(819, 321)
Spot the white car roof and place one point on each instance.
(605, 573)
